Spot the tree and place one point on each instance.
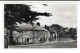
(57, 29)
(20, 13)
(72, 32)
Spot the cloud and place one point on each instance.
(62, 14)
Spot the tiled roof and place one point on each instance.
(29, 27)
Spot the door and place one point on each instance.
(27, 39)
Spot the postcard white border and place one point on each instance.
(36, 50)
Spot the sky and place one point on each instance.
(62, 14)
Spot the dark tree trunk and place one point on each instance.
(11, 42)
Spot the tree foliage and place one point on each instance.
(20, 13)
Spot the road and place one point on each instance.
(53, 44)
